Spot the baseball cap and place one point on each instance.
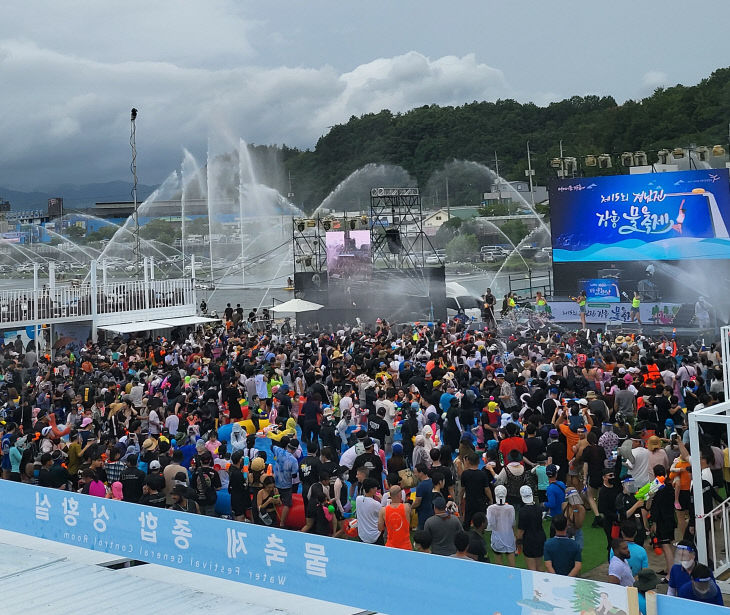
(582, 402)
(154, 464)
(526, 494)
(500, 493)
(552, 470)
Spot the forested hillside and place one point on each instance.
(424, 139)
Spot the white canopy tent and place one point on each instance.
(295, 306)
(151, 325)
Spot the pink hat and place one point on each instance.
(87, 421)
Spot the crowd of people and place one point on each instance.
(441, 438)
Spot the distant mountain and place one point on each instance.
(75, 196)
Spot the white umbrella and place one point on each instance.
(294, 306)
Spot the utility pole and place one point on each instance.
(448, 205)
(133, 145)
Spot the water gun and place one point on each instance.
(246, 463)
(650, 489)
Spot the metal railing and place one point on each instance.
(529, 283)
(77, 301)
(717, 522)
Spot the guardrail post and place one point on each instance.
(94, 292)
(146, 284)
(35, 306)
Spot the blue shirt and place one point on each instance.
(424, 490)
(555, 497)
(678, 576)
(285, 467)
(562, 552)
(688, 592)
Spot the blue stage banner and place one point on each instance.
(381, 579)
(652, 216)
(603, 290)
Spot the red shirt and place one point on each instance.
(514, 443)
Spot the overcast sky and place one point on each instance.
(275, 71)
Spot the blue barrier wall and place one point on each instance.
(364, 576)
(667, 605)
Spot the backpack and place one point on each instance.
(203, 485)
(576, 381)
(514, 483)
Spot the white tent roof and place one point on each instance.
(184, 321)
(150, 325)
(132, 327)
(294, 306)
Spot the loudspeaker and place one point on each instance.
(392, 236)
(311, 286)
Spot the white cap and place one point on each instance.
(500, 493)
(525, 494)
(582, 401)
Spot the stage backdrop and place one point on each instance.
(654, 216)
(663, 234)
(303, 564)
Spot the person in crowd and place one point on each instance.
(561, 554)
(701, 587)
(646, 581)
(619, 571)
(500, 521)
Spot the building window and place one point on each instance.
(438, 218)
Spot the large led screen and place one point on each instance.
(645, 217)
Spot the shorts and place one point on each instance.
(664, 534)
(685, 500)
(634, 311)
(595, 482)
(285, 496)
(533, 548)
(582, 309)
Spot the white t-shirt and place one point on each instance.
(500, 519)
(172, 423)
(622, 571)
(368, 510)
(640, 468)
(154, 422)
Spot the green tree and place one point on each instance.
(586, 596)
(495, 209)
(447, 231)
(105, 232)
(516, 230)
(462, 248)
(75, 232)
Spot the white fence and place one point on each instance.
(86, 301)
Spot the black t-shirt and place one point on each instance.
(530, 521)
(447, 473)
(132, 480)
(309, 472)
(594, 456)
(477, 546)
(474, 482)
(44, 478)
(154, 499)
(662, 405)
(559, 454)
(535, 446)
(378, 428)
(607, 501)
(372, 462)
(58, 476)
